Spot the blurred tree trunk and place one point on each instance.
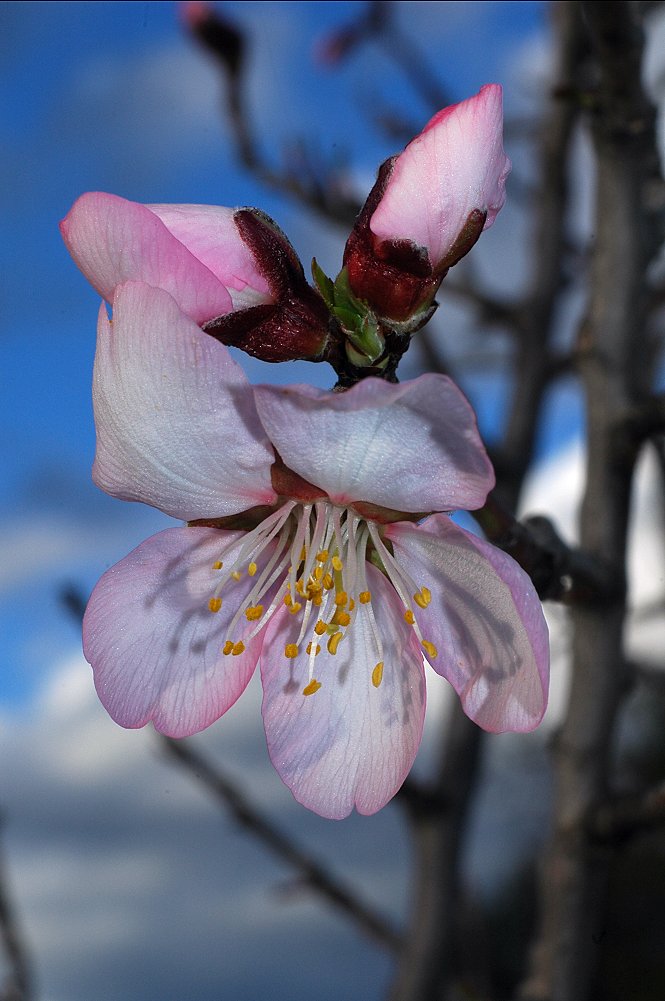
(612, 342)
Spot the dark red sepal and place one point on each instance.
(395, 277)
(295, 324)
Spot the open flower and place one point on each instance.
(429, 206)
(306, 551)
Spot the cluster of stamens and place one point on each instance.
(312, 559)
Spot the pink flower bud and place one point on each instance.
(429, 206)
(232, 271)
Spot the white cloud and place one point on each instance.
(555, 489)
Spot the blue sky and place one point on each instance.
(114, 96)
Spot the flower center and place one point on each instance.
(312, 559)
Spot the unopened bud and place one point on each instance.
(295, 324)
(428, 207)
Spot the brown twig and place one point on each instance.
(559, 572)
(311, 873)
(616, 822)
(438, 814)
(18, 985)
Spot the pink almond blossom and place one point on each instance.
(309, 556)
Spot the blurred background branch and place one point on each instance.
(18, 981)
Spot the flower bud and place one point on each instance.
(295, 324)
(429, 206)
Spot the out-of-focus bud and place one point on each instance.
(340, 43)
(295, 324)
(218, 35)
(428, 207)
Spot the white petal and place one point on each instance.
(412, 447)
(350, 743)
(155, 646)
(484, 619)
(175, 416)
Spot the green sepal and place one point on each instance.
(368, 339)
(325, 285)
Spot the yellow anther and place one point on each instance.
(322, 556)
(238, 648)
(294, 607)
(423, 597)
(409, 616)
(365, 597)
(318, 573)
(429, 649)
(334, 642)
(320, 627)
(251, 569)
(303, 553)
(227, 648)
(300, 589)
(328, 582)
(341, 618)
(317, 600)
(313, 686)
(312, 591)
(377, 674)
(288, 600)
(310, 647)
(337, 563)
(215, 604)
(236, 574)
(352, 604)
(291, 650)
(254, 612)
(341, 599)
(217, 565)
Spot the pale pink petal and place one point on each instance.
(412, 446)
(455, 166)
(210, 233)
(153, 643)
(350, 743)
(113, 240)
(175, 416)
(485, 620)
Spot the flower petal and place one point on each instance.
(455, 166)
(175, 416)
(485, 619)
(153, 643)
(411, 447)
(113, 240)
(211, 235)
(350, 743)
